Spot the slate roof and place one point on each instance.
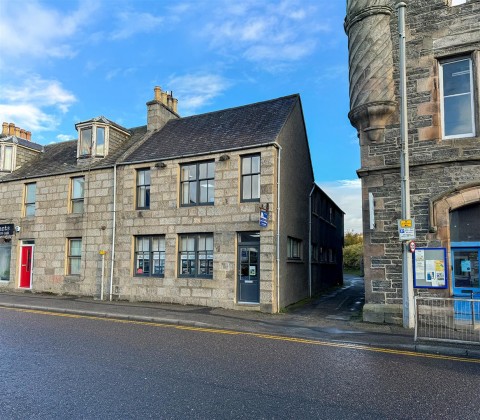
(61, 158)
(234, 128)
(21, 142)
(229, 129)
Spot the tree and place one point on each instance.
(353, 251)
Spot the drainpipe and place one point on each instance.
(278, 224)
(114, 222)
(310, 241)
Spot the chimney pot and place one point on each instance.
(17, 131)
(11, 129)
(23, 134)
(5, 128)
(175, 105)
(28, 135)
(158, 93)
(164, 98)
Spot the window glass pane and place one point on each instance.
(31, 193)
(203, 191)
(78, 187)
(7, 158)
(193, 193)
(201, 243)
(458, 115)
(5, 257)
(247, 188)
(190, 244)
(456, 77)
(85, 141)
(209, 243)
(185, 192)
(185, 173)
(100, 141)
(74, 266)
(77, 206)
(255, 164)
(192, 172)
(211, 170)
(255, 186)
(211, 191)
(246, 165)
(75, 247)
(202, 170)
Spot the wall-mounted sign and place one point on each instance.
(7, 229)
(263, 218)
(430, 268)
(406, 229)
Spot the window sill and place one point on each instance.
(186, 276)
(294, 260)
(148, 276)
(197, 205)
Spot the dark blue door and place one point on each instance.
(249, 267)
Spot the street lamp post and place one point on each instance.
(407, 282)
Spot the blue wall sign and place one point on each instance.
(263, 218)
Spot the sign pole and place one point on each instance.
(407, 283)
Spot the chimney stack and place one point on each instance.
(9, 129)
(162, 108)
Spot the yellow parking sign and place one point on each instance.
(406, 223)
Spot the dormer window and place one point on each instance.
(98, 137)
(92, 142)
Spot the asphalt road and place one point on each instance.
(71, 367)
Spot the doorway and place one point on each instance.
(26, 265)
(249, 267)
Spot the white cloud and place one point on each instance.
(195, 91)
(267, 33)
(64, 137)
(35, 104)
(30, 29)
(131, 23)
(347, 194)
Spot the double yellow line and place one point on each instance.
(257, 335)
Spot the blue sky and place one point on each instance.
(67, 61)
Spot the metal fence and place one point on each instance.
(454, 320)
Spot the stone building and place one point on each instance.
(211, 209)
(443, 76)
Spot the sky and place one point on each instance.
(67, 61)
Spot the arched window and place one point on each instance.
(465, 224)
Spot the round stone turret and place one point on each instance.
(372, 94)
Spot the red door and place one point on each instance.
(26, 263)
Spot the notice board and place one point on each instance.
(430, 268)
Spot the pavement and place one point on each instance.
(335, 316)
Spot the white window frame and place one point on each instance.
(472, 97)
(11, 166)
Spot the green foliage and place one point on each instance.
(353, 256)
(353, 238)
(353, 251)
